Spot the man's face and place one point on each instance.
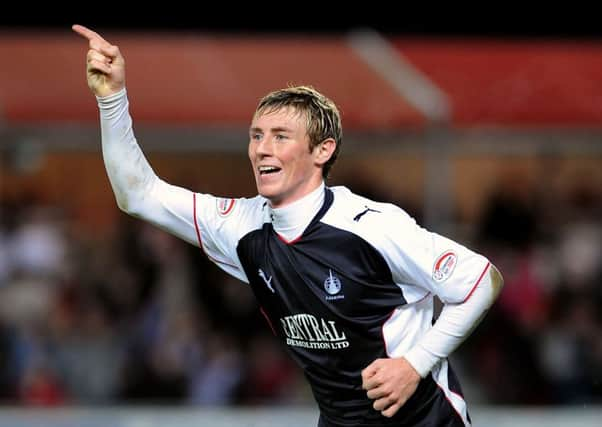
(283, 166)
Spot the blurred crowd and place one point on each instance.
(542, 342)
(137, 316)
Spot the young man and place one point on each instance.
(345, 282)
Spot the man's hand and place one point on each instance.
(390, 383)
(105, 66)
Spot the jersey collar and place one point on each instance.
(292, 220)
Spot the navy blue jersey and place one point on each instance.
(358, 284)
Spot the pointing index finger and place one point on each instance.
(87, 33)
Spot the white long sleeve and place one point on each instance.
(454, 325)
(129, 172)
(138, 191)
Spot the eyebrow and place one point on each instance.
(274, 129)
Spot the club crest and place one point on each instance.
(332, 284)
(224, 206)
(444, 266)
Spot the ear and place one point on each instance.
(323, 151)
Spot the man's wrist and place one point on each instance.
(421, 360)
(108, 99)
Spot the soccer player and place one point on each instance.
(346, 283)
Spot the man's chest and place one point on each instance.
(326, 271)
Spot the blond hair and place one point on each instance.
(323, 119)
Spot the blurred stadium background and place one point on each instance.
(492, 138)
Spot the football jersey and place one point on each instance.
(356, 285)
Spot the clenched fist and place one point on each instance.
(389, 383)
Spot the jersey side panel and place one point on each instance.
(221, 222)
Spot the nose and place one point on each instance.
(264, 147)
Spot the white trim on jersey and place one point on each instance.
(224, 264)
(407, 324)
(219, 233)
(441, 378)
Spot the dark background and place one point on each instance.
(427, 19)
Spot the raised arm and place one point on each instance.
(138, 191)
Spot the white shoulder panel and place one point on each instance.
(420, 261)
(222, 222)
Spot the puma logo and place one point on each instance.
(267, 281)
(361, 214)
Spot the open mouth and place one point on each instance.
(266, 170)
